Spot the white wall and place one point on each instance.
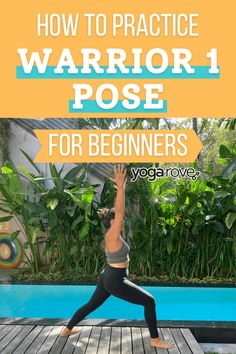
(20, 139)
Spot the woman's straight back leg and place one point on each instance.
(99, 296)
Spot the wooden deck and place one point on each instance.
(33, 339)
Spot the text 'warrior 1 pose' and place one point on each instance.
(113, 278)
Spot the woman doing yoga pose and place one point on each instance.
(113, 278)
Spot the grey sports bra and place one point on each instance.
(120, 256)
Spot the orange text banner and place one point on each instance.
(118, 146)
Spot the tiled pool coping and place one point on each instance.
(118, 322)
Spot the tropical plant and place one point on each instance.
(185, 228)
(177, 228)
(13, 203)
(63, 212)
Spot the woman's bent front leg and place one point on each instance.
(131, 292)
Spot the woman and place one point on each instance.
(113, 279)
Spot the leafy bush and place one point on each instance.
(80, 277)
(179, 229)
(182, 227)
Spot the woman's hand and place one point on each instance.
(120, 178)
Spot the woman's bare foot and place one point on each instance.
(67, 332)
(159, 343)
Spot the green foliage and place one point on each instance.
(185, 228)
(65, 212)
(179, 229)
(80, 276)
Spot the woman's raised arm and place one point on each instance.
(120, 180)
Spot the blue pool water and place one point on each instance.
(172, 303)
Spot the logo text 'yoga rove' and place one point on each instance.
(153, 173)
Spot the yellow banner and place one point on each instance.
(118, 146)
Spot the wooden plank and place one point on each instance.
(6, 330)
(12, 346)
(159, 350)
(70, 343)
(25, 344)
(115, 344)
(126, 340)
(104, 343)
(180, 341)
(30, 339)
(190, 339)
(92, 346)
(9, 336)
(137, 341)
(58, 345)
(83, 340)
(38, 342)
(148, 349)
(50, 340)
(167, 335)
(1, 327)
(147, 345)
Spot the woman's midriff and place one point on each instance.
(119, 265)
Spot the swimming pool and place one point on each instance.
(173, 303)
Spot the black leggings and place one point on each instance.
(113, 281)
